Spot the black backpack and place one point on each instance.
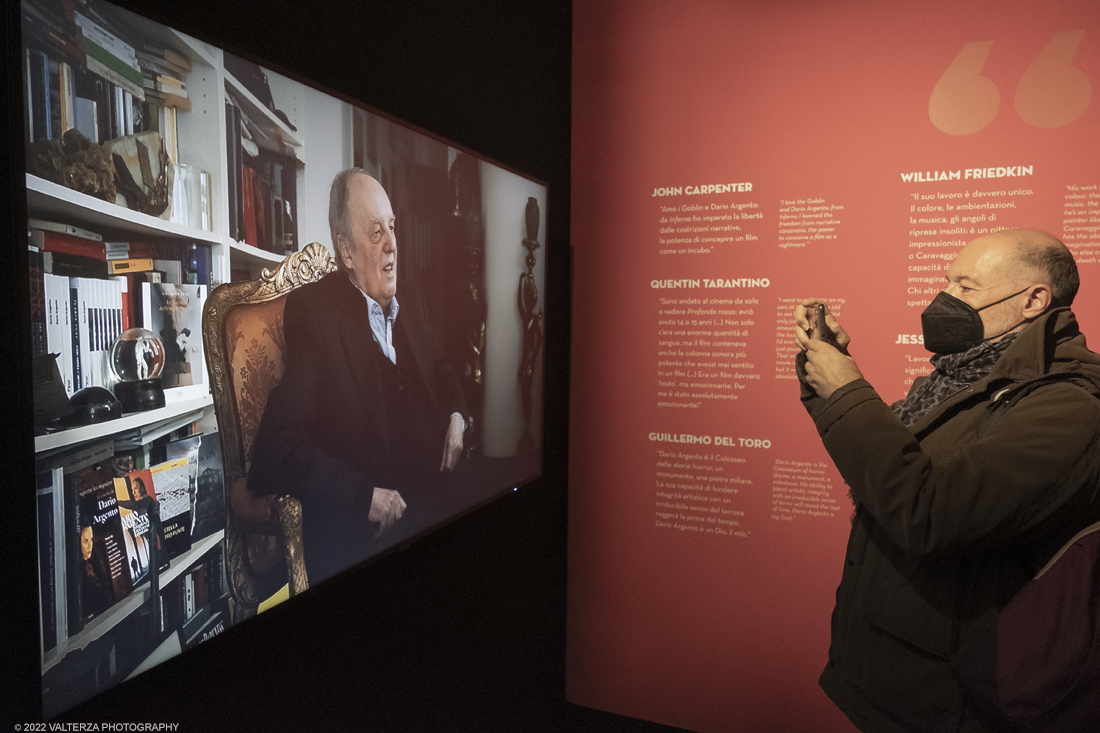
(1036, 669)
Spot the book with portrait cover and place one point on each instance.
(173, 311)
(98, 573)
(171, 481)
(136, 496)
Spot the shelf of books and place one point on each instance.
(158, 167)
(271, 132)
(263, 170)
(131, 531)
(135, 212)
(137, 598)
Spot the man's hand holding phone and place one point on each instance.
(824, 363)
(814, 321)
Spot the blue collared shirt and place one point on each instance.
(381, 325)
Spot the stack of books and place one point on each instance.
(86, 291)
(163, 75)
(263, 197)
(80, 70)
(98, 540)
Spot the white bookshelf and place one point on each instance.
(274, 134)
(254, 257)
(201, 137)
(189, 410)
(107, 620)
(48, 200)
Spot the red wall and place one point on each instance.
(691, 603)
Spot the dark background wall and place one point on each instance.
(464, 630)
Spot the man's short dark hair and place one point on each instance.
(339, 218)
(1047, 254)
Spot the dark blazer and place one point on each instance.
(325, 437)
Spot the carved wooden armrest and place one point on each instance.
(267, 521)
(256, 513)
(290, 523)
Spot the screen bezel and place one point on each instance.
(19, 284)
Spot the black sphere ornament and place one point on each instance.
(93, 405)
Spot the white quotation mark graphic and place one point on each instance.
(1051, 93)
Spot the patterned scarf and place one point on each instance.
(952, 372)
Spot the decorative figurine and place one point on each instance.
(137, 361)
(532, 323)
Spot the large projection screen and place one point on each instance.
(729, 160)
(116, 595)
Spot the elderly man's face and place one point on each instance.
(370, 252)
(984, 272)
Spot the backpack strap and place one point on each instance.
(1069, 373)
(1080, 535)
(1008, 396)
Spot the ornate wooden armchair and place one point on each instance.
(242, 330)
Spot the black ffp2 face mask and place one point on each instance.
(951, 325)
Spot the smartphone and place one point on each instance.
(817, 322)
(819, 330)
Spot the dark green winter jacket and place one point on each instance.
(952, 517)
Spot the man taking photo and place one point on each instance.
(965, 488)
